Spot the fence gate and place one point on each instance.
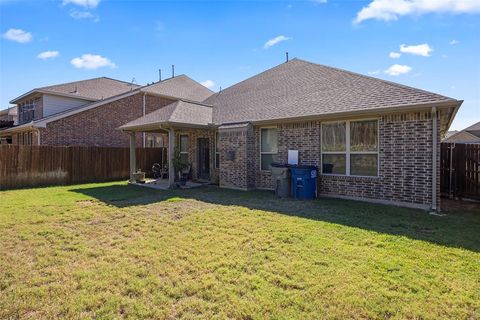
(460, 170)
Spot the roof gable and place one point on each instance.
(179, 112)
(181, 87)
(90, 89)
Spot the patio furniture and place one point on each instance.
(139, 176)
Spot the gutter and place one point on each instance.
(434, 158)
(20, 128)
(144, 99)
(357, 113)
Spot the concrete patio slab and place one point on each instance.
(163, 184)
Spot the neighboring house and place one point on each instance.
(8, 118)
(371, 139)
(88, 113)
(467, 135)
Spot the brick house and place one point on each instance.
(371, 139)
(88, 112)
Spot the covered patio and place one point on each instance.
(188, 126)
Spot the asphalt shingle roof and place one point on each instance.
(180, 87)
(474, 127)
(299, 88)
(179, 112)
(94, 89)
(462, 137)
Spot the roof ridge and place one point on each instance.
(78, 81)
(464, 131)
(251, 77)
(372, 78)
(164, 80)
(472, 126)
(200, 103)
(183, 75)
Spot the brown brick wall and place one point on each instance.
(98, 126)
(405, 164)
(193, 135)
(237, 156)
(405, 160)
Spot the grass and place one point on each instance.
(115, 251)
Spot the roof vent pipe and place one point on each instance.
(286, 56)
(173, 71)
(159, 74)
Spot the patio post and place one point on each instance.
(132, 156)
(171, 148)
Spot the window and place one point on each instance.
(334, 148)
(350, 148)
(217, 150)
(25, 138)
(154, 140)
(27, 110)
(184, 148)
(150, 143)
(268, 147)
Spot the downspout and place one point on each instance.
(38, 136)
(434, 159)
(144, 99)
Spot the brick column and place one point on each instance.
(236, 151)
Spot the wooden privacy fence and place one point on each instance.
(460, 170)
(28, 166)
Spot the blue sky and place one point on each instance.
(433, 45)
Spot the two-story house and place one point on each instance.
(88, 112)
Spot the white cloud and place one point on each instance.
(75, 14)
(423, 50)
(398, 69)
(391, 10)
(319, 1)
(92, 61)
(83, 3)
(275, 41)
(208, 83)
(48, 55)
(394, 55)
(372, 73)
(17, 35)
(454, 42)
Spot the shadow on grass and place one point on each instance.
(457, 229)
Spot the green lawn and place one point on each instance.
(116, 251)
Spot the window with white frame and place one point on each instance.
(217, 150)
(184, 148)
(350, 148)
(268, 147)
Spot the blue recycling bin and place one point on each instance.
(304, 182)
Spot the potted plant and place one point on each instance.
(180, 167)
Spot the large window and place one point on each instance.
(184, 148)
(350, 148)
(268, 147)
(217, 150)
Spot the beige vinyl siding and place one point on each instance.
(53, 104)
